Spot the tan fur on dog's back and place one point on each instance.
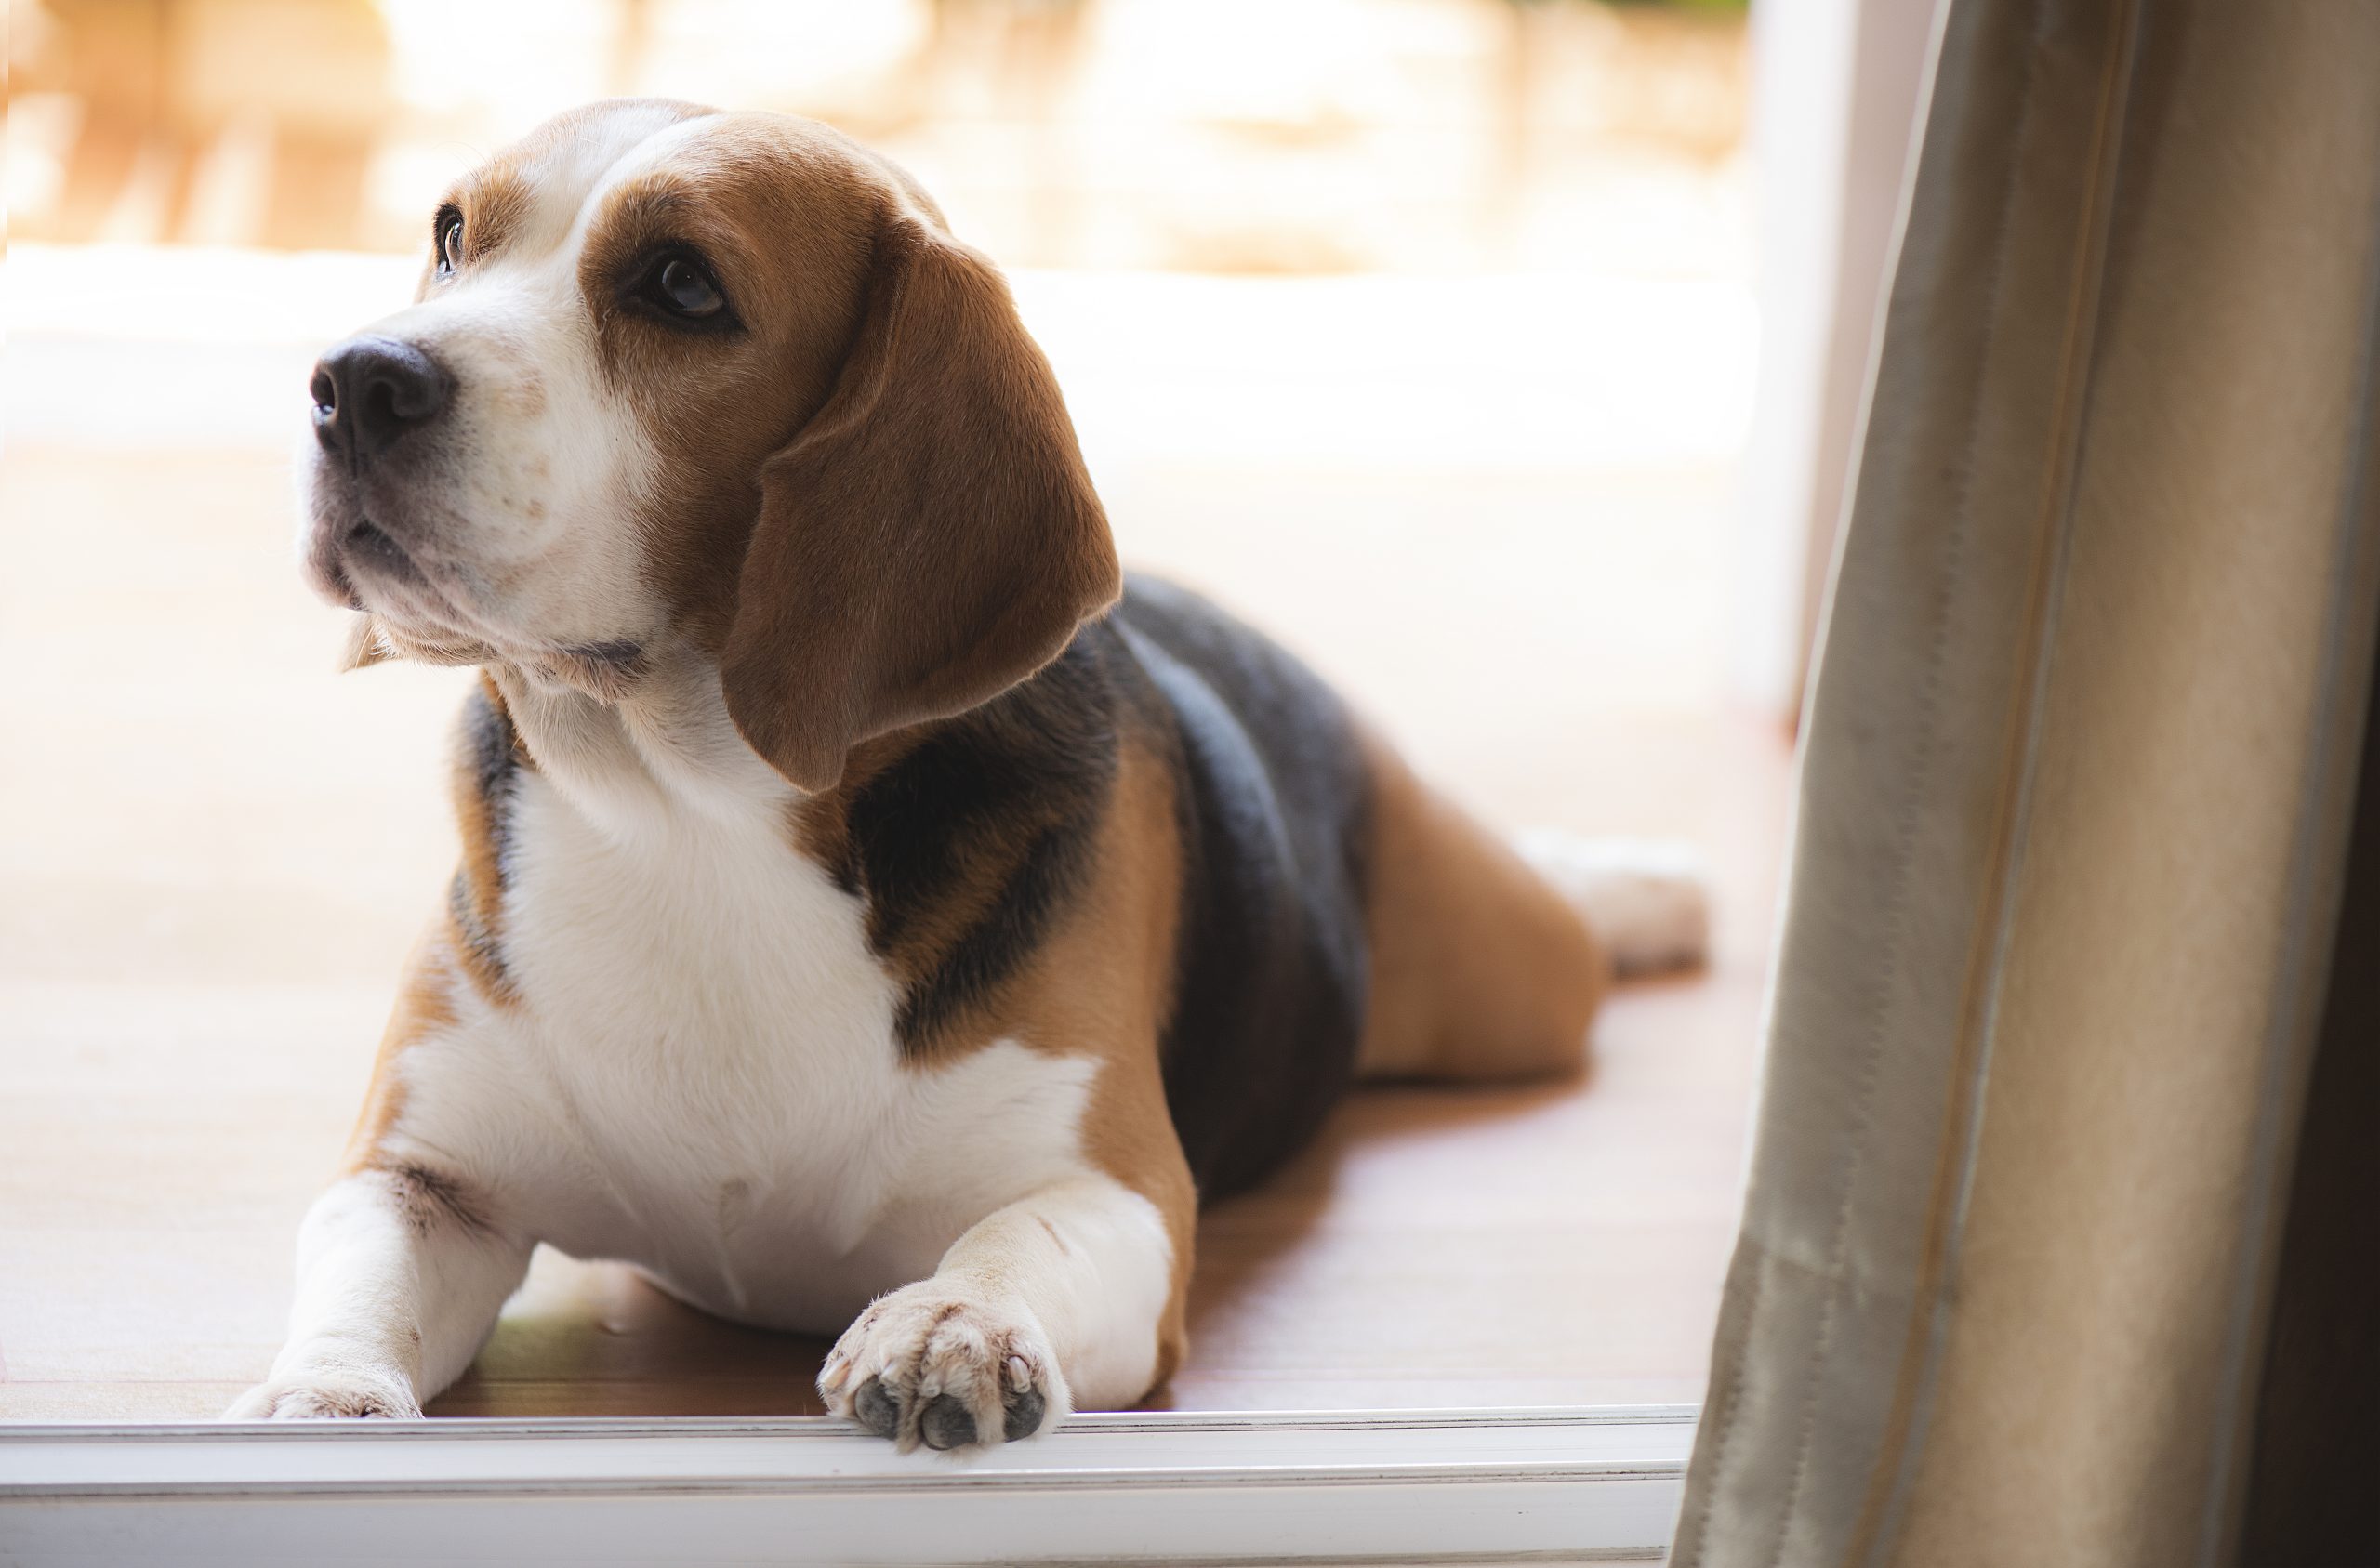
(1479, 969)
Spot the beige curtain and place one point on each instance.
(2076, 784)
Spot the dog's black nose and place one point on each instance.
(369, 391)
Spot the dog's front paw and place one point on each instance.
(328, 1395)
(945, 1365)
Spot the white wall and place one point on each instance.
(1836, 91)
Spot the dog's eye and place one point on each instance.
(450, 241)
(677, 283)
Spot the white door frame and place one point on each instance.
(1597, 1483)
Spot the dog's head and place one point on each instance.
(675, 377)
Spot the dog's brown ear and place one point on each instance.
(931, 537)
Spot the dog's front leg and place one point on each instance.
(1058, 1299)
(401, 1273)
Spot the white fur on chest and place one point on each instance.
(715, 1091)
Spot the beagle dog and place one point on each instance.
(877, 915)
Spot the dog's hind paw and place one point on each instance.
(1647, 901)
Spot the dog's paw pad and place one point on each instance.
(875, 1409)
(1025, 1413)
(933, 1363)
(946, 1423)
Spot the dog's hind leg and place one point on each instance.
(1488, 958)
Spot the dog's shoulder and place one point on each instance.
(966, 839)
(1004, 859)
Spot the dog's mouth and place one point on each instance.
(425, 606)
(365, 548)
(353, 561)
(416, 612)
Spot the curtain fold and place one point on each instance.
(2076, 776)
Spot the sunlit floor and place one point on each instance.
(214, 853)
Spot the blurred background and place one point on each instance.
(1230, 136)
(1500, 356)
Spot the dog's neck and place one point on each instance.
(657, 754)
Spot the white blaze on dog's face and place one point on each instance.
(683, 378)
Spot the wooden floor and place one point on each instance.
(215, 851)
